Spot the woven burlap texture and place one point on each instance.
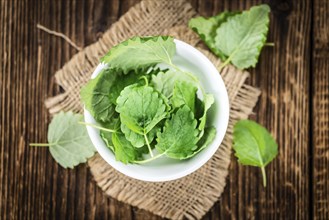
(189, 197)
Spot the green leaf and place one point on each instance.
(184, 94)
(254, 145)
(121, 82)
(141, 108)
(179, 136)
(140, 53)
(206, 29)
(68, 142)
(107, 138)
(114, 124)
(141, 151)
(208, 136)
(96, 95)
(242, 36)
(100, 94)
(123, 150)
(208, 101)
(138, 140)
(164, 82)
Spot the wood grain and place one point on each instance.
(320, 114)
(283, 74)
(294, 106)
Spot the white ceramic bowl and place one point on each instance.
(165, 169)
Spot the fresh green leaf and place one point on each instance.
(254, 145)
(208, 101)
(140, 53)
(121, 82)
(242, 36)
(206, 29)
(208, 136)
(123, 150)
(164, 82)
(96, 95)
(184, 94)
(138, 140)
(179, 136)
(100, 94)
(141, 108)
(141, 151)
(68, 142)
(114, 125)
(107, 138)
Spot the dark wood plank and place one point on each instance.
(285, 109)
(320, 116)
(32, 185)
(283, 76)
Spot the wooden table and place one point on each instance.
(293, 77)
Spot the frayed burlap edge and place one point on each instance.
(192, 196)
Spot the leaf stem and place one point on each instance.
(145, 79)
(98, 127)
(42, 144)
(187, 73)
(264, 175)
(150, 159)
(270, 44)
(148, 145)
(227, 61)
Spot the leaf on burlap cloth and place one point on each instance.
(189, 197)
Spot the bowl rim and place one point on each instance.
(104, 151)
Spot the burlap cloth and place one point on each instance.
(192, 196)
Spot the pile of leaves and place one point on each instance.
(141, 107)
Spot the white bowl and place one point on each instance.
(165, 169)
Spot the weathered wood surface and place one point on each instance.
(294, 106)
(320, 109)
